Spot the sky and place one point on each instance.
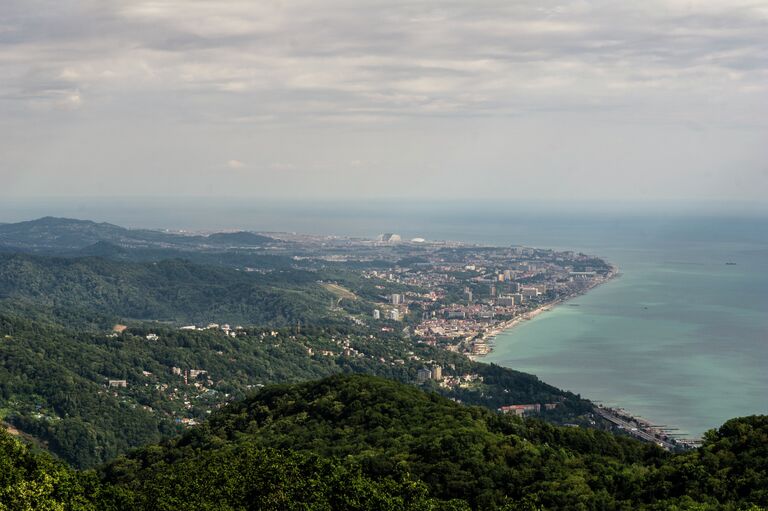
(523, 100)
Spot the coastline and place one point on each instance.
(618, 419)
(489, 335)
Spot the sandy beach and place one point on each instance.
(490, 334)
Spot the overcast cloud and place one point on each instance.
(523, 99)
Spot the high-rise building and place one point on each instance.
(396, 299)
(423, 375)
(437, 373)
(376, 314)
(505, 300)
(394, 315)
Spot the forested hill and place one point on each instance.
(54, 382)
(96, 290)
(62, 235)
(360, 442)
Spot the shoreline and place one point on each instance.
(489, 336)
(644, 429)
(618, 418)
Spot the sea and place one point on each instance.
(679, 338)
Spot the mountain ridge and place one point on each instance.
(69, 234)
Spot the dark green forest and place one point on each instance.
(361, 442)
(97, 291)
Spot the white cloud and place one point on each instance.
(311, 60)
(399, 83)
(71, 101)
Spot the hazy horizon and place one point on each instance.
(437, 220)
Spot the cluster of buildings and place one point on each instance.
(434, 373)
(462, 381)
(230, 331)
(466, 295)
(190, 375)
(521, 410)
(392, 314)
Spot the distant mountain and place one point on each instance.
(64, 235)
(241, 238)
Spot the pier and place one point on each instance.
(639, 429)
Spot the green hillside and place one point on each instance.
(61, 235)
(53, 380)
(360, 442)
(93, 290)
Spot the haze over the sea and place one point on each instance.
(680, 338)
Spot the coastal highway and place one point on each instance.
(634, 429)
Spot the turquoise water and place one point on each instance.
(680, 338)
(657, 341)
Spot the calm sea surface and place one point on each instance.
(680, 338)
